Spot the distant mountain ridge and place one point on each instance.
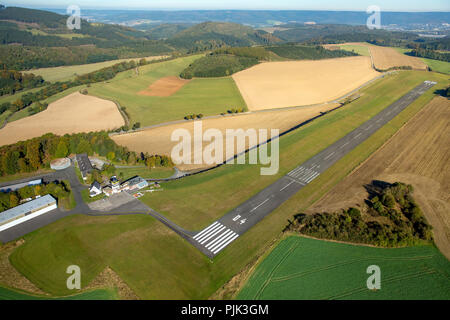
(210, 35)
(261, 18)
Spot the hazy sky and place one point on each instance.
(356, 5)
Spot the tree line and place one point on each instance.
(12, 81)
(393, 219)
(37, 153)
(96, 76)
(60, 190)
(430, 54)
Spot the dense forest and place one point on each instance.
(430, 54)
(12, 81)
(35, 154)
(59, 190)
(297, 52)
(393, 218)
(35, 39)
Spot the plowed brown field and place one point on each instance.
(73, 113)
(157, 140)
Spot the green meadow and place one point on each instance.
(361, 50)
(206, 96)
(303, 268)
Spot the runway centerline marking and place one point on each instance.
(287, 185)
(356, 137)
(260, 205)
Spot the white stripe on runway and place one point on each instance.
(204, 230)
(202, 241)
(329, 156)
(287, 185)
(356, 137)
(219, 238)
(344, 144)
(313, 177)
(260, 205)
(225, 244)
(209, 232)
(307, 176)
(228, 237)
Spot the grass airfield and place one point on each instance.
(170, 268)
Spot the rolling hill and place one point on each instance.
(211, 35)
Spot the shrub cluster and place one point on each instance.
(217, 65)
(394, 219)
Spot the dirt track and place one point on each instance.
(300, 83)
(73, 113)
(419, 154)
(157, 140)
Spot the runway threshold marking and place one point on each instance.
(329, 156)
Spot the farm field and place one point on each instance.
(296, 83)
(385, 58)
(435, 65)
(106, 294)
(419, 155)
(119, 241)
(70, 72)
(304, 268)
(358, 48)
(71, 114)
(205, 96)
(214, 193)
(158, 140)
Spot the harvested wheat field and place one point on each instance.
(164, 87)
(158, 140)
(296, 83)
(385, 58)
(419, 154)
(73, 113)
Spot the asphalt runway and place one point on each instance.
(217, 236)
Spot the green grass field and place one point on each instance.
(144, 172)
(158, 264)
(361, 50)
(302, 268)
(101, 294)
(207, 96)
